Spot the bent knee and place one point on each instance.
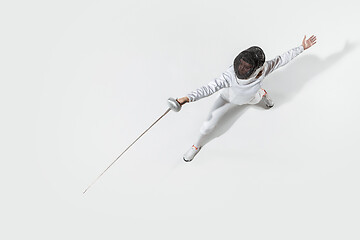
(207, 128)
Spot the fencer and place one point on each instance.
(241, 86)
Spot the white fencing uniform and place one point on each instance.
(235, 96)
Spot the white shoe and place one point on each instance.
(190, 154)
(268, 102)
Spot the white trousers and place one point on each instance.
(222, 116)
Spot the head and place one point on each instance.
(248, 61)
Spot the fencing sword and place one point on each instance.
(173, 105)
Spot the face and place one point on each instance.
(244, 69)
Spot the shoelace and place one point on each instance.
(195, 147)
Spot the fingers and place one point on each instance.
(313, 39)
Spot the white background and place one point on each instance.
(80, 80)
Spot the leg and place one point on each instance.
(262, 95)
(221, 117)
(219, 106)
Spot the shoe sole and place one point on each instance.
(187, 160)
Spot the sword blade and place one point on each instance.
(125, 151)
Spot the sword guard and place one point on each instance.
(174, 104)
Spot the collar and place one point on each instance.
(251, 78)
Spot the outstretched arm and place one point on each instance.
(215, 85)
(286, 57)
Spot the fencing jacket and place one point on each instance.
(243, 91)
